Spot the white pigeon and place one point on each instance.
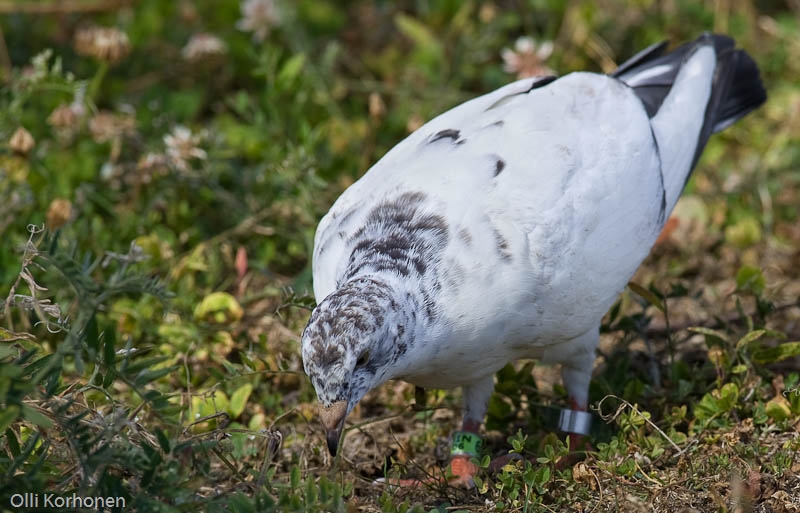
(506, 227)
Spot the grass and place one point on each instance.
(157, 217)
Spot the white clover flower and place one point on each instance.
(103, 43)
(258, 17)
(527, 58)
(182, 146)
(202, 46)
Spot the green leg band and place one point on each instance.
(466, 444)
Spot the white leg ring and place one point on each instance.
(575, 421)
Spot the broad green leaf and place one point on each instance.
(778, 408)
(717, 402)
(780, 352)
(750, 337)
(744, 233)
(728, 396)
(211, 404)
(239, 400)
(750, 278)
(218, 308)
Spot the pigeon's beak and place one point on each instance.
(333, 420)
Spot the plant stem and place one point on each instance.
(97, 80)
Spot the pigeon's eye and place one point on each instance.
(363, 358)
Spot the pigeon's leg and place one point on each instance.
(476, 401)
(576, 372)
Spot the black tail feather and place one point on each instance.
(736, 91)
(746, 92)
(651, 73)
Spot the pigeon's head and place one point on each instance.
(351, 345)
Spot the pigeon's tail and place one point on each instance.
(697, 89)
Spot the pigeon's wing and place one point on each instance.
(349, 211)
(571, 201)
(521, 175)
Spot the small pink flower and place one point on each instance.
(527, 58)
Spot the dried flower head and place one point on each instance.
(258, 17)
(106, 126)
(414, 122)
(107, 44)
(66, 116)
(487, 12)
(58, 213)
(377, 108)
(151, 164)
(21, 141)
(527, 58)
(183, 146)
(203, 46)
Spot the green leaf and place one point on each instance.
(11, 336)
(11, 370)
(6, 350)
(750, 337)
(211, 404)
(218, 308)
(239, 400)
(708, 332)
(12, 442)
(428, 50)
(91, 336)
(109, 348)
(163, 440)
(729, 395)
(648, 295)
(150, 375)
(744, 233)
(8, 416)
(750, 279)
(778, 408)
(717, 402)
(780, 352)
(290, 70)
(34, 416)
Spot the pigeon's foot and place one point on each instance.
(462, 471)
